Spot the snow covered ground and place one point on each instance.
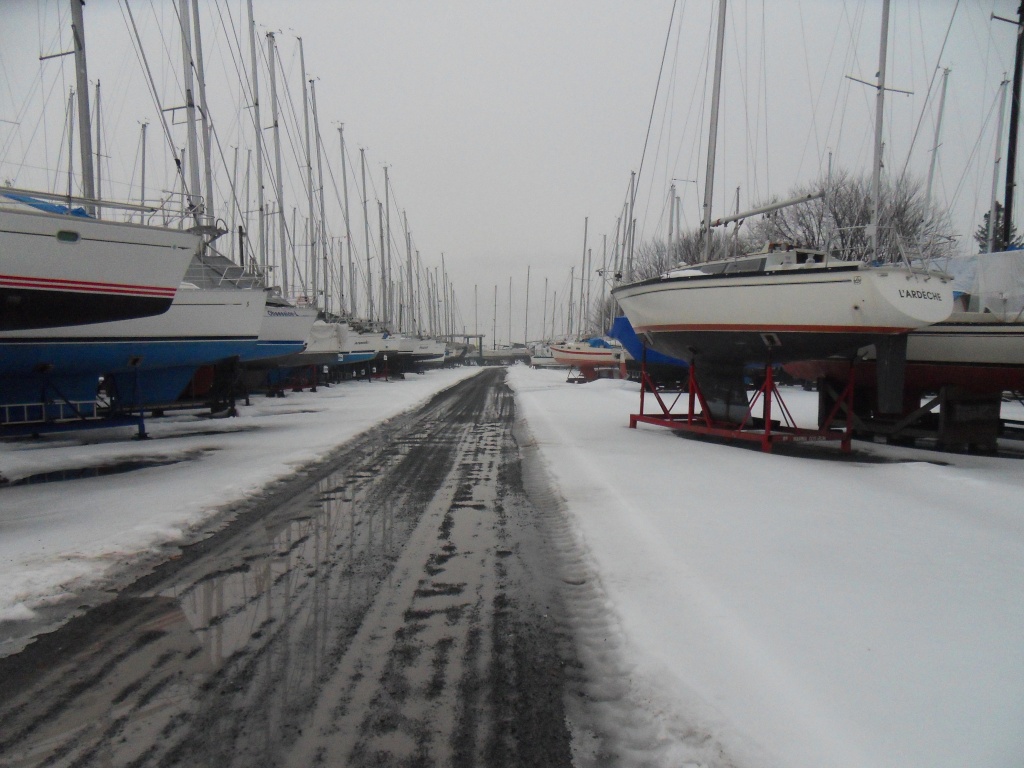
(789, 611)
(60, 537)
(800, 611)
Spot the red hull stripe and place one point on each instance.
(755, 328)
(81, 286)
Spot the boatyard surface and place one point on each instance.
(372, 574)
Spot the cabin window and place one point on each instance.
(746, 265)
(67, 236)
(809, 257)
(715, 268)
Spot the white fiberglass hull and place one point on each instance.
(60, 270)
(577, 354)
(795, 314)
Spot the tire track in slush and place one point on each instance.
(387, 606)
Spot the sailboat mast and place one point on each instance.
(348, 228)
(322, 217)
(99, 150)
(82, 90)
(526, 313)
(1011, 151)
(408, 274)
(278, 182)
(938, 128)
(311, 228)
(876, 169)
(716, 89)
(261, 223)
(995, 171)
(204, 116)
(383, 284)
(366, 237)
(142, 185)
(583, 268)
(544, 315)
(195, 203)
(385, 254)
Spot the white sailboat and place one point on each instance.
(61, 266)
(784, 304)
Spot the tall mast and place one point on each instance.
(82, 89)
(348, 228)
(995, 170)
(544, 315)
(204, 115)
(195, 202)
(99, 150)
(261, 222)
(309, 180)
(583, 271)
(385, 253)
(366, 238)
(142, 160)
(628, 242)
(938, 127)
(278, 182)
(1011, 152)
(408, 272)
(383, 285)
(876, 168)
(526, 319)
(716, 89)
(322, 219)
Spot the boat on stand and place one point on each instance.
(784, 304)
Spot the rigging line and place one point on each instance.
(654, 101)
(812, 130)
(974, 149)
(140, 54)
(931, 85)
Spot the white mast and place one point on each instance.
(99, 152)
(195, 203)
(876, 170)
(385, 253)
(408, 273)
(204, 115)
(142, 191)
(320, 177)
(348, 228)
(935, 144)
(995, 171)
(261, 222)
(716, 89)
(278, 182)
(313, 276)
(82, 89)
(366, 238)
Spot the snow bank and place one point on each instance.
(799, 611)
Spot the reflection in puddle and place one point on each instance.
(78, 473)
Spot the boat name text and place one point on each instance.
(929, 295)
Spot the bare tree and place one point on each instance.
(839, 221)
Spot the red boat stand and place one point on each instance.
(767, 433)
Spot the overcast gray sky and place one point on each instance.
(504, 124)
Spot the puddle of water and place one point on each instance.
(78, 473)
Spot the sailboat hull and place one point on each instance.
(58, 270)
(158, 353)
(782, 316)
